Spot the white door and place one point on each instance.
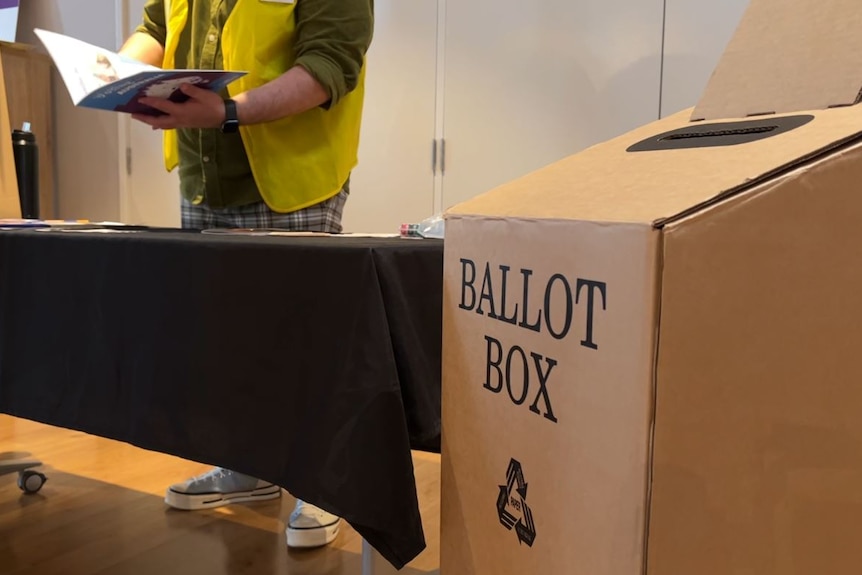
(527, 83)
(150, 195)
(394, 182)
(695, 37)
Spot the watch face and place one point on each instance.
(230, 126)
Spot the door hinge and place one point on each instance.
(438, 157)
(129, 161)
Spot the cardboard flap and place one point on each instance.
(788, 56)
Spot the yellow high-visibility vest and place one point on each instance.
(296, 161)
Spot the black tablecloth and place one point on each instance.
(313, 363)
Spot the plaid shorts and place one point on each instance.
(322, 217)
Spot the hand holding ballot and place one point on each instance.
(201, 108)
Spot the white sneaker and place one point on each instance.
(219, 487)
(311, 526)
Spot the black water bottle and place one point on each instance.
(26, 154)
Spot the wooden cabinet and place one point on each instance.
(9, 207)
(27, 80)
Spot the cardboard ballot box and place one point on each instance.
(652, 356)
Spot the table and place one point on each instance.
(310, 362)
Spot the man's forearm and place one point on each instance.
(144, 48)
(292, 93)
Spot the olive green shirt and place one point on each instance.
(332, 37)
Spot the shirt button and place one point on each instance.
(212, 37)
(206, 158)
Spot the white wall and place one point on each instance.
(529, 83)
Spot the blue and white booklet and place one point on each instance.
(104, 80)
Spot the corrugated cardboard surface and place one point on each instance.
(758, 439)
(756, 463)
(788, 55)
(584, 460)
(607, 184)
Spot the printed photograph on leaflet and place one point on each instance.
(104, 80)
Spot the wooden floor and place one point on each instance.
(102, 512)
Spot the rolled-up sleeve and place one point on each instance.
(332, 38)
(153, 22)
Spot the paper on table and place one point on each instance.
(345, 235)
(285, 233)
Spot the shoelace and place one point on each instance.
(214, 473)
(304, 509)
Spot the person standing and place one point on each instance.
(274, 150)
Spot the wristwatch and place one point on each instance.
(231, 121)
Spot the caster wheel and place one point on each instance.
(31, 481)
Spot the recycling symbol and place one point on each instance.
(512, 505)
